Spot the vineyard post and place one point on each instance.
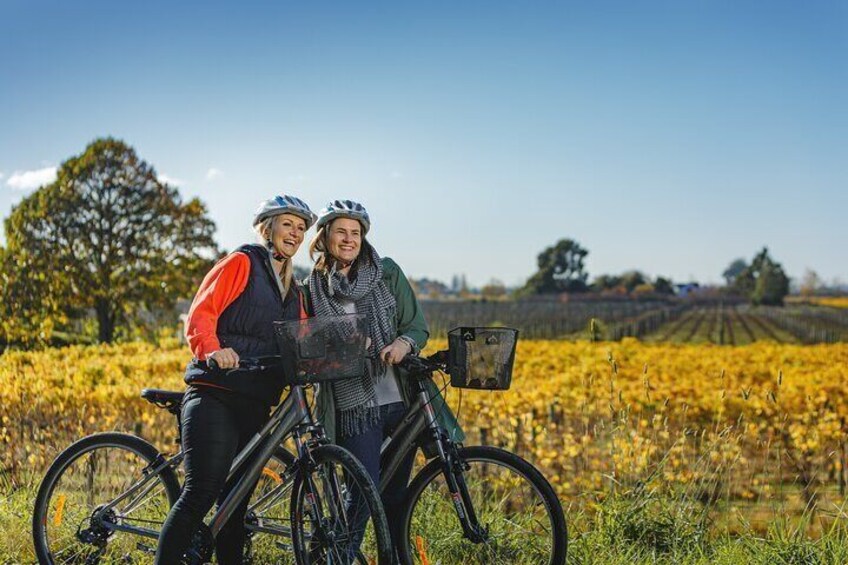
(554, 413)
(519, 431)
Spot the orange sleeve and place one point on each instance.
(220, 287)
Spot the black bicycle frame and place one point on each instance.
(289, 414)
(418, 418)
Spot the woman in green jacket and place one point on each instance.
(350, 277)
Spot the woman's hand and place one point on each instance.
(226, 358)
(394, 353)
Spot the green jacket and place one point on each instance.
(410, 323)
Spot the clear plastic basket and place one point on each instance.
(324, 349)
(481, 358)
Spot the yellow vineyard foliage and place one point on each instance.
(833, 302)
(736, 421)
(53, 397)
(721, 421)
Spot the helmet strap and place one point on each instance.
(273, 251)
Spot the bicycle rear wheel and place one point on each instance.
(336, 513)
(68, 525)
(520, 517)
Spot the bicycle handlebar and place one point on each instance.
(416, 364)
(248, 363)
(412, 363)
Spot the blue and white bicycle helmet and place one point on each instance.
(284, 204)
(344, 209)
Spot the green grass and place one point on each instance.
(638, 527)
(15, 517)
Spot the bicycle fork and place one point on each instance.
(453, 471)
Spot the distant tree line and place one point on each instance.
(561, 268)
(108, 245)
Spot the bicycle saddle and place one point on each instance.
(167, 399)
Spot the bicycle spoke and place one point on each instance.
(514, 522)
(338, 514)
(77, 523)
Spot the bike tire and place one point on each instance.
(60, 497)
(336, 468)
(432, 531)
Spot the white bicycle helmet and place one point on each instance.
(284, 204)
(344, 209)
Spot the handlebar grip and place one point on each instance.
(440, 357)
(212, 364)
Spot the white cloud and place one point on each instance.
(163, 178)
(28, 180)
(213, 174)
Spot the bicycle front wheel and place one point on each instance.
(75, 521)
(520, 519)
(336, 513)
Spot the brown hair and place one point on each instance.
(318, 246)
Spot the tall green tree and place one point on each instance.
(107, 235)
(763, 281)
(561, 269)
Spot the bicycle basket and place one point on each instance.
(323, 349)
(481, 358)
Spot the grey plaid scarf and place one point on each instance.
(356, 399)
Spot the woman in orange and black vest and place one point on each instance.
(232, 315)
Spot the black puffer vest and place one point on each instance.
(247, 326)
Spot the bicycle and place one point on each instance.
(475, 504)
(507, 512)
(110, 484)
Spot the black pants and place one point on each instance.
(366, 448)
(216, 425)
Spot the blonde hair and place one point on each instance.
(264, 229)
(318, 246)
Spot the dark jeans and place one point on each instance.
(216, 425)
(366, 448)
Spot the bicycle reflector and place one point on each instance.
(323, 349)
(481, 358)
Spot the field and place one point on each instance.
(658, 450)
(679, 321)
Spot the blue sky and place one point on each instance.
(671, 137)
